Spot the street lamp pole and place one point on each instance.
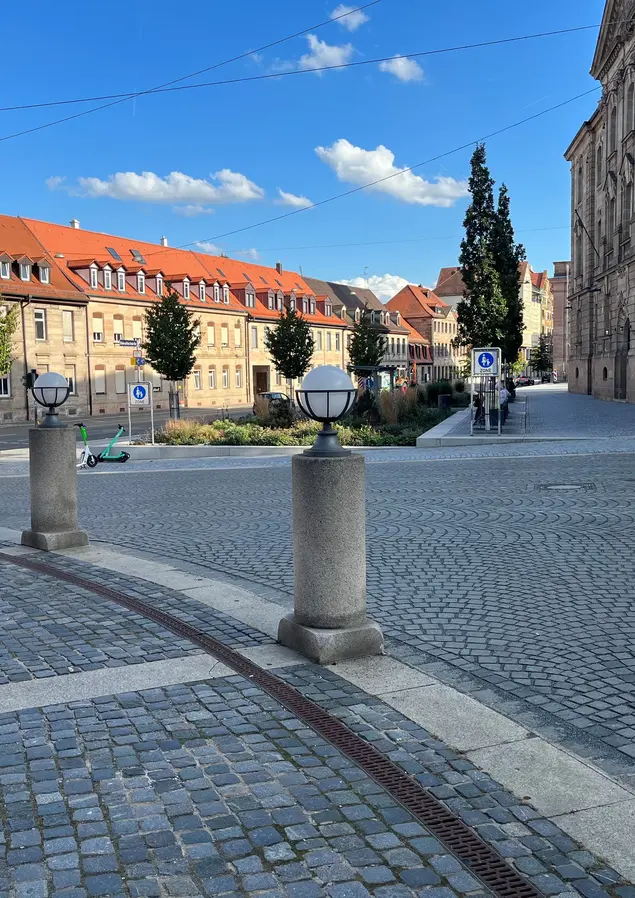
(52, 473)
(329, 621)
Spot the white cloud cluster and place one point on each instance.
(212, 249)
(292, 199)
(402, 68)
(192, 210)
(323, 54)
(384, 286)
(354, 165)
(225, 186)
(349, 17)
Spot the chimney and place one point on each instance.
(164, 241)
(279, 267)
(74, 223)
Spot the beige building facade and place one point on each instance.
(602, 277)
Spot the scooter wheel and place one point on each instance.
(124, 457)
(91, 461)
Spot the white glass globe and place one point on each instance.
(50, 388)
(330, 404)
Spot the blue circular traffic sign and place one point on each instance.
(140, 392)
(485, 360)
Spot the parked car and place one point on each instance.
(273, 397)
(524, 381)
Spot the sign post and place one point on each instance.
(486, 365)
(140, 396)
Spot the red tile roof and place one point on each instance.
(16, 240)
(78, 247)
(413, 335)
(413, 301)
(450, 282)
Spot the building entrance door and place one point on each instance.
(261, 380)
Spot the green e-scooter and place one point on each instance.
(90, 459)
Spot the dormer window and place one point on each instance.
(216, 293)
(45, 274)
(201, 291)
(312, 306)
(121, 281)
(226, 294)
(107, 279)
(5, 270)
(250, 300)
(372, 318)
(305, 306)
(186, 289)
(159, 285)
(271, 301)
(25, 271)
(141, 282)
(357, 315)
(292, 304)
(280, 302)
(92, 277)
(328, 310)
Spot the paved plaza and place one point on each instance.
(502, 573)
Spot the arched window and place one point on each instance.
(598, 167)
(579, 186)
(613, 130)
(610, 224)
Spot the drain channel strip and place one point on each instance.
(481, 859)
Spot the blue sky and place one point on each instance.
(311, 136)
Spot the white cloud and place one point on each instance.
(291, 199)
(229, 187)
(384, 286)
(354, 165)
(323, 54)
(212, 249)
(192, 210)
(352, 21)
(402, 68)
(54, 182)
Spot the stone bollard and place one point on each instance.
(53, 487)
(329, 621)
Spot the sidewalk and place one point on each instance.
(137, 764)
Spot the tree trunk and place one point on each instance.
(175, 408)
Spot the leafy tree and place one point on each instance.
(290, 345)
(368, 345)
(8, 327)
(541, 356)
(172, 337)
(482, 309)
(507, 256)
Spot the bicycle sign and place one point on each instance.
(486, 362)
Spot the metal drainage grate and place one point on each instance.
(565, 487)
(481, 859)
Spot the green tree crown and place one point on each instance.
(368, 345)
(8, 327)
(172, 337)
(290, 344)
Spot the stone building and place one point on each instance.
(83, 298)
(602, 276)
(435, 320)
(560, 291)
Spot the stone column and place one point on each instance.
(329, 621)
(53, 487)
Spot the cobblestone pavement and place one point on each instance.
(213, 789)
(49, 627)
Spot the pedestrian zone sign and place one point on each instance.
(486, 362)
(139, 394)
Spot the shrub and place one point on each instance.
(261, 407)
(459, 386)
(280, 413)
(389, 406)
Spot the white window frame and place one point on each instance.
(319, 340)
(250, 300)
(329, 342)
(39, 317)
(107, 279)
(186, 289)
(211, 329)
(254, 337)
(238, 335)
(5, 272)
(328, 310)
(201, 292)
(279, 302)
(312, 306)
(5, 386)
(305, 307)
(271, 301)
(226, 295)
(196, 378)
(239, 378)
(216, 293)
(71, 381)
(121, 281)
(98, 336)
(211, 378)
(118, 335)
(92, 277)
(225, 378)
(224, 329)
(120, 370)
(45, 274)
(337, 341)
(65, 337)
(25, 271)
(141, 282)
(101, 372)
(159, 286)
(137, 324)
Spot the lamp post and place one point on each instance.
(329, 621)
(52, 473)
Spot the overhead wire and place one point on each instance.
(140, 93)
(304, 71)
